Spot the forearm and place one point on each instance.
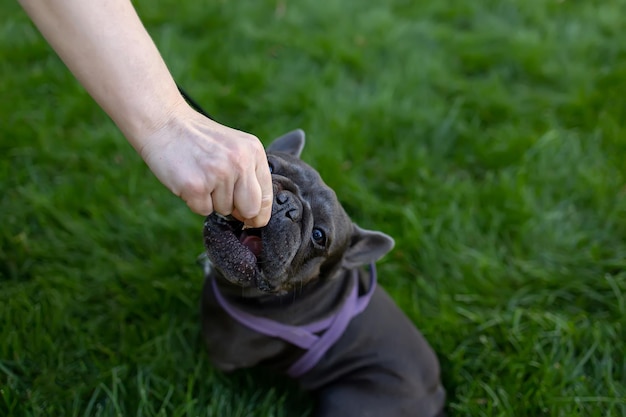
(210, 166)
(106, 47)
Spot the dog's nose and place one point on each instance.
(293, 214)
(282, 197)
(287, 203)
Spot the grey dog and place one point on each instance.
(299, 296)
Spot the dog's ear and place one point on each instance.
(366, 246)
(291, 143)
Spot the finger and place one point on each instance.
(264, 214)
(237, 215)
(222, 197)
(264, 178)
(247, 197)
(202, 206)
(197, 197)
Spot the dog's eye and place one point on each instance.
(318, 236)
(271, 166)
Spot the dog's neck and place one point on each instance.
(323, 294)
(315, 337)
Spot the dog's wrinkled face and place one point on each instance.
(309, 234)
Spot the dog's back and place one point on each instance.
(382, 366)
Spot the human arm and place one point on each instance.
(210, 166)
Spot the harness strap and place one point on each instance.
(317, 337)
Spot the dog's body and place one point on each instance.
(303, 269)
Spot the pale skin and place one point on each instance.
(210, 166)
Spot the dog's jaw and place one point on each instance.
(233, 251)
(251, 259)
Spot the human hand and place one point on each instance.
(211, 167)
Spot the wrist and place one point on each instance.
(141, 126)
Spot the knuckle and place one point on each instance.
(223, 167)
(201, 207)
(247, 213)
(193, 187)
(247, 208)
(222, 204)
(224, 208)
(259, 221)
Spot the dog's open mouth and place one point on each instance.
(235, 251)
(251, 239)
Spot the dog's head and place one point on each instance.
(309, 234)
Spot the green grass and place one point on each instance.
(489, 138)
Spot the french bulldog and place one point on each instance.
(299, 296)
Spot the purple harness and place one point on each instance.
(306, 337)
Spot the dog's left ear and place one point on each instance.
(291, 143)
(366, 246)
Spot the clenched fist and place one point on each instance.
(211, 167)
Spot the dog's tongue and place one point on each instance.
(253, 243)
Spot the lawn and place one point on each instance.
(487, 137)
